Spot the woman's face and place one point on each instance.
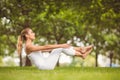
(31, 34)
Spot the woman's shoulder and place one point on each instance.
(29, 48)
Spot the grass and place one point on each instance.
(61, 73)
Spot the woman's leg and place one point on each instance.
(72, 52)
(50, 62)
(78, 51)
(52, 59)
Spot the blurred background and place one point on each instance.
(76, 22)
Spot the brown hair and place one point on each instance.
(21, 38)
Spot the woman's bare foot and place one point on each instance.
(85, 54)
(86, 49)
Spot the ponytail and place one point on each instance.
(21, 38)
(19, 45)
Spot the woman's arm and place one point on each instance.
(47, 50)
(32, 48)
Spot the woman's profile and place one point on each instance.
(34, 52)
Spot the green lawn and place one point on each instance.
(61, 73)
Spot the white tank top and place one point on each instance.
(35, 57)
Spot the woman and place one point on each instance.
(34, 52)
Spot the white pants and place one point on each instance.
(49, 63)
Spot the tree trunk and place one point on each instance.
(111, 56)
(20, 60)
(110, 62)
(96, 59)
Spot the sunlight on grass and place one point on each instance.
(61, 73)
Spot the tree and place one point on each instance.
(94, 22)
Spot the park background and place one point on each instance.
(76, 22)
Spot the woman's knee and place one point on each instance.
(57, 50)
(69, 51)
